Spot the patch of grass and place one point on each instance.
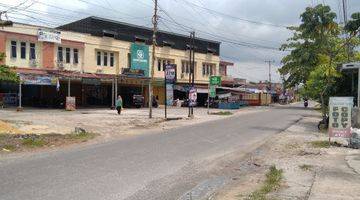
(222, 113)
(81, 136)
(272, 183)
(33, 142)
(305, 167)
(9, 147)
(324, 144)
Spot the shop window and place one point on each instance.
(105, 58)
(98, 58)
(111, 59)
(185, 67)
(162, 63)
(23, 50)
(13, 49)
(208, 69)
(60, 54)
(32, 51)
(76, 56)
(67, 55)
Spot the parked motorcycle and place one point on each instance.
(324, 123)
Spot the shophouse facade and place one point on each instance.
(93, 54)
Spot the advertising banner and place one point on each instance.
(140, 58)
(340, 116)
(38, 80)
(47, 35)
(215, 80)
(169, 94)
(192, 96)
(70, 104)
(170, 73)
(212, 91)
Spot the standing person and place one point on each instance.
(119, 104)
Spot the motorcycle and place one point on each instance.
(306, 103)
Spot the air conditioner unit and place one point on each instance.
(32, 63)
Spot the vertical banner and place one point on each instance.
(170, 79)
(140, 58)
(70, 103)
(169, 94)
(340, 116)
(192, 96)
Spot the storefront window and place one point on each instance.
(112, 59)
(60, 54)
(76, 56)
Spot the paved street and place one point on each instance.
(162, 165)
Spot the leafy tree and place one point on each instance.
(317, 48)
(6, 73)
(354, 24)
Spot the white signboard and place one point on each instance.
(340, 116)
(47, 35)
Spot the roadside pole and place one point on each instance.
(154, 21)
(358, 96)
(112, 93)
(165, 99)
(69, 91)
(20, 95)
(190, 65)
(208, 100)
(193, 67)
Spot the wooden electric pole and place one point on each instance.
(155, 22)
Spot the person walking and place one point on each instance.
(119, 104)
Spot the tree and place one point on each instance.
(6, 73)
(308, 40)
(316, 51)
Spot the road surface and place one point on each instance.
(163, 165)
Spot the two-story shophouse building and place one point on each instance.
(89, 56)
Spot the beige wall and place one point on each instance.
(91, 44)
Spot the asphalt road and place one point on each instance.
(162, 165)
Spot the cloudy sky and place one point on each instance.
(250, 30)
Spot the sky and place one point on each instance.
(250, 31)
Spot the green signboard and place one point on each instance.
(212, 91)
(140, 58)
(215, 80)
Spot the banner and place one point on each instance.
(212, 91)
(140, 58)
(38, 80)
(170, 74)
(192, 96)
(47, 35)
(169, 94)
(340, 116)
(215, 80)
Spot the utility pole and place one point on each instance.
(192, 70)
(155, 23)
(269, 62)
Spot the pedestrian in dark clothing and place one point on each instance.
(119, 104)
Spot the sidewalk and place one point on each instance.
(310, 170)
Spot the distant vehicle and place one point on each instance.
(306, 103)
(137, 101)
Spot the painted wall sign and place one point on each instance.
(340, 116)
(140, 57)
(47, 35)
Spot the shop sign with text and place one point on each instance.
(340, 116)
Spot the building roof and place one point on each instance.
(100, 27)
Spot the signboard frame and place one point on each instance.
(340, 116)
(140, 58)
(48, 35)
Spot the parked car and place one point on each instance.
(137, 101)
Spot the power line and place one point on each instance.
(233, 17)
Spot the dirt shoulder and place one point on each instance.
(310, 168)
